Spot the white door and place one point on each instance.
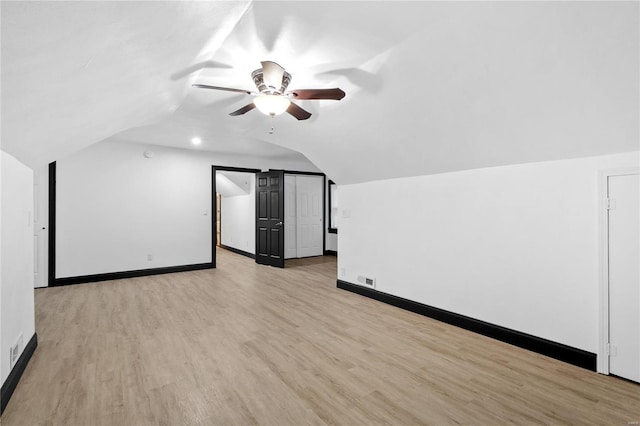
(624, 276)
(40, 225)
(290, 239)
(309, 215)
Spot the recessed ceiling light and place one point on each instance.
(196, 141)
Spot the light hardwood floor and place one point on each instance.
(247, 344)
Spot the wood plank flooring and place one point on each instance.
(246, 344)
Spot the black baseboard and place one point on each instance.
(238, 251)
(14, 376)
(330, 253)
(128, 274)
(542, 346)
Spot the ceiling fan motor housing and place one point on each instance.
(258, 79)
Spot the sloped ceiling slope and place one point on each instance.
(484, 84)
(431, 86)
(74, 73)
(231, 184)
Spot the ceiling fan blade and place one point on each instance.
(272, 74)
(228, 89)
(334, 94)
(298, 112)
(245, 109)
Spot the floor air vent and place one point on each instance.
(366, 281)
(14, 352)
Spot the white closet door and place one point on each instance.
(309, 215)
(290, 220)
(41, 223)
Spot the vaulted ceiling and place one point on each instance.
(431, 86)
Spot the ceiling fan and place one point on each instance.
(272, 82)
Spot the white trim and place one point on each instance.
(603, 180)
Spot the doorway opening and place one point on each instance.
(244, 207)
(233, 226)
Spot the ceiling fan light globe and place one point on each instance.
(272, 104)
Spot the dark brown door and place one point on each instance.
(270, 218)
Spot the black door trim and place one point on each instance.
(235, 169)
(297, 172)
(52, 225)
(331, 228)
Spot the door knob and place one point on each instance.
(279, 223)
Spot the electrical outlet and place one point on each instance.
(149, 257)
(343, 272)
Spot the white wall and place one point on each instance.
(515, 246)
(238, 217)
(115, 206)
(16, 277)
(2, 368)
(332, 242)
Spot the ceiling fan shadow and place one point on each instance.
(314, 117)
(227, 102)
(270, 25)
(197, 67)
(366, 80)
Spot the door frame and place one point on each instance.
(603, 263)
(51, 251)
(214, 203)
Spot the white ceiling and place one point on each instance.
(431, 86)
(232, 184)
